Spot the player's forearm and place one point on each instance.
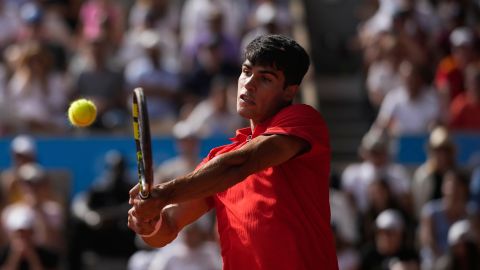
(215, 176)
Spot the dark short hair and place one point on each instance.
(280, 52)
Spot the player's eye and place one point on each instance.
(246, 71)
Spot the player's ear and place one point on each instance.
(290, 91)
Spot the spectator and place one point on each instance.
(188, 147)
(23, 150)
(438, 216)
(195, 12)
(267, 18)
(191, 251)
(463, 250)
(449, 77)
(98, 221)
(208, 64)
(383, 73)
(465, 108)
(213, 117)
(101, 82)
(37, 193)
(380, 198)
(348, 257)
(43, 26)
(158, 17)
(102, 18)
(376, 164)
(36, 93)
(428, 178)
(228, 45)
(160, 84)
(389, 244)
(22, 252)
(413, 108)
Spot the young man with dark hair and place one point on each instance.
(269, 187)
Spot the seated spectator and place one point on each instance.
(37, 193)
(187, 159)
(100, 81)
(465, 108)
(214, 116)
(383, 73)
(23, 150)
(21, 251)
(463, 250)
(160, 85)
(449, 77)
(102, 18)
(348, 257)
(41, 24)
(438, 216)
(389, 245)
(266, 20)
(99, 222)
(37, 94)
(376, 164)
(428, 177)
(413, 108)
(159, 17)
(380, 198)
(208, 64)
(191, 250)
(228, 45)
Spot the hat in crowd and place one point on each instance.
(266, 13)
(31, 172)
(459, 231)
(375, 140)
(149, 39)
(390, 219)
(18, 217)
(183, 130)
(461, 36)
(24, 145)
(440, 138)
(31, 13)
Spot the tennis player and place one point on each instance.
(269, 187)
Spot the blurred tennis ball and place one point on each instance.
(82, 112)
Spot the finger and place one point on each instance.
(133, 193)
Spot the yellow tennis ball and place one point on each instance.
(82, 112)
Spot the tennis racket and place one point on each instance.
(143, 143)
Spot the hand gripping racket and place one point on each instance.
(141, 133)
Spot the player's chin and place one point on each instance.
(244, 112)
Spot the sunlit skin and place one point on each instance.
(262, 92)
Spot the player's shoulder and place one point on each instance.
(299, 112)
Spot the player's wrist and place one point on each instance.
(159, 194)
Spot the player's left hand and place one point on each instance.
(145, 210)
(141, 226)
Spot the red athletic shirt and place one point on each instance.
(279, 218)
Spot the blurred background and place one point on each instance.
(397, 81)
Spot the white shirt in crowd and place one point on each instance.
(410, 116)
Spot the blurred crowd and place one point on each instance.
(185, 54)
(421, 71)
(422, 76)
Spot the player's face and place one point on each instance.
(262, 92)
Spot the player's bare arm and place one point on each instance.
(220, 173)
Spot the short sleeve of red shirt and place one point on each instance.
(279, 218)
